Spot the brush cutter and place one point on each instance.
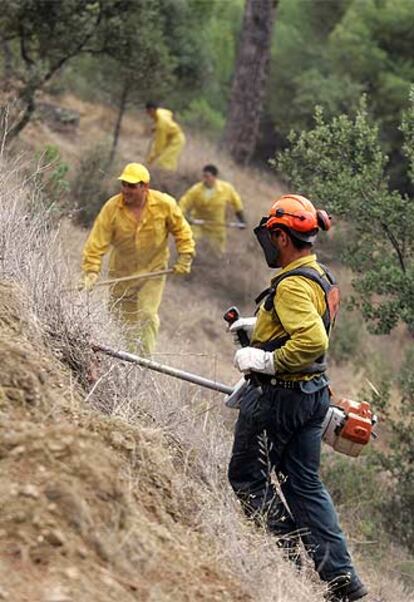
(348, 425)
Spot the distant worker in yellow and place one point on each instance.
(136, 224)
(205, 206)
(168, 141)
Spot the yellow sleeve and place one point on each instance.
(235, 200)
(295, 307)
(180, 229)
(187, 201)
(98, 241)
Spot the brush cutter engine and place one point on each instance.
(349, 426)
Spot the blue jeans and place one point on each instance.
(280, 429)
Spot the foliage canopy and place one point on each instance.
(329, 53)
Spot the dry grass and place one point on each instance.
(186, 427)
(131, 505)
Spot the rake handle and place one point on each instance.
(145, 276)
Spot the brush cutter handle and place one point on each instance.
(231, 316)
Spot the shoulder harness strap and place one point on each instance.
(326, 281)
(331, 291)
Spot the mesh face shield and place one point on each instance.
(263, 236)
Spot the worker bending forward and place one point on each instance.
(168, 141)
(136, 224)
(284, 405)
(206, 202)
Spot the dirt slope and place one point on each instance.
(74, 525)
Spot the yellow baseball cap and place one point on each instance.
(134, 173)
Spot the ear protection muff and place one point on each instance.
(324, 220)
(304, 221)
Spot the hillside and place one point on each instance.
(119, 491)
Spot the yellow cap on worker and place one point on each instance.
(134, 173)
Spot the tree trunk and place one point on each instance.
(27, 98)
(121, 110)
(249, 84)
(8, 62)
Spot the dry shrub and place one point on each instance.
(90, 187)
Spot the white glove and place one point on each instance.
(246, 324)
(250, 359)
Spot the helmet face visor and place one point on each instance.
(263, 236)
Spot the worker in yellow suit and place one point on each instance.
(169, 139)
(205, 206)
(136, 224)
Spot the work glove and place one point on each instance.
(245, 324)
(241, 219)
(183, 264)
(250, 359)
(88, 281)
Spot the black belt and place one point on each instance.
(265, 379)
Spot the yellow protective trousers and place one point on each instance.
(168, 158)
(137, 310)
(216, 235)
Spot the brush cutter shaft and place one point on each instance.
(169, 370)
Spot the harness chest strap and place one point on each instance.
(331, 291)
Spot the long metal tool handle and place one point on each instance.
(169, 370)
(145, 276)
(202, 222)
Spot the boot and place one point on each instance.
(343, 589)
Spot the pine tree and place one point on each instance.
(249, 84)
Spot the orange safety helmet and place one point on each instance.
(298, 215)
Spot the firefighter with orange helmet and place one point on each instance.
(283, 406)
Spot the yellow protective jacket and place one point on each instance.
(136, 246)
(299, 305)
(201, 202)
(167, 133)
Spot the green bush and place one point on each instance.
(341, 161)
(201, 116)
(89, 188)
(358, 489)
(50, 179)
(346, 337)
(399, 459)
